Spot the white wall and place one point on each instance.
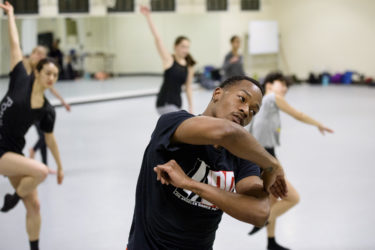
(315, 34)
(132, 43)
(328, 34)
(128, 36)
(29, 34)
(135, 49)
(5, 47)
(54, 25)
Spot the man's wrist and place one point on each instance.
(272, 168)
(190, 184)
(269, 170)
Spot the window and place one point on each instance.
(123, 6)
(250, 4)
(71, 27)
(73, 6)
(217, 5)
(162, 5)
(25, 6)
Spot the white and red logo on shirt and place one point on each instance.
(202, 173)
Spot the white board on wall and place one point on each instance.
(263, 37)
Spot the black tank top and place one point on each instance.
(170, 91)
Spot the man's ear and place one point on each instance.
(217, 94)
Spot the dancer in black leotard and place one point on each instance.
(23, 105)
(38, 53)
(178, 71)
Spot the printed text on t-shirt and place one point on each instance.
(202, 173)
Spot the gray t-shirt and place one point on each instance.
(232, 69)
(266, 125)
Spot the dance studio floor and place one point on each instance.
(102, 144)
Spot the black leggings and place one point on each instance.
(41, 144)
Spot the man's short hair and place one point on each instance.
(236, 79)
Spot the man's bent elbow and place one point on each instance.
(261, 218)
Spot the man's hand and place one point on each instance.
(171, 173)
(274, 181)
(279, 188)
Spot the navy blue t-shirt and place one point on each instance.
(166, 217)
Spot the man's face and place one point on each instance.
(238, 102)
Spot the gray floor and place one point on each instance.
(102, 145)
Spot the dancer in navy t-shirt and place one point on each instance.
(197, 167)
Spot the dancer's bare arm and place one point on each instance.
(61, 99)
(189, 88)
(52, 145)
(15, 48)
(298, 115)
(163, 52)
